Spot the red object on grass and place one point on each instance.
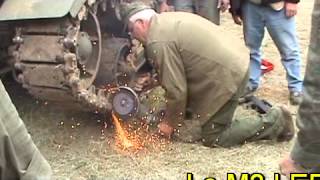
(266, 66)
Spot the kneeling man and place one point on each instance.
(204, 72)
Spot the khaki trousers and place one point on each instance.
(19, 157)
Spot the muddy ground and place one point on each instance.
(79, 145)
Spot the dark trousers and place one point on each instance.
(306, 150)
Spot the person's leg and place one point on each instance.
(209, 10)
(283, 32)
(248, 129)
(306, 150)
(183, 5)
(19, 157)
(253, 29)
(221, 130)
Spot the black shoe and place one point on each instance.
(248, 91)
(295, 98)
(288, 131)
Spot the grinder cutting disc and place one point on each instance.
(125, 103)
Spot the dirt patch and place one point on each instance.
(80, 145)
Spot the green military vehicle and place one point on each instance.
(72, 51)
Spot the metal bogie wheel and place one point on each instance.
(114, 69)
(124, 72)
(88, 49)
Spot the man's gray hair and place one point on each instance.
(143, 15)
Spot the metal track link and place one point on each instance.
(47, 65)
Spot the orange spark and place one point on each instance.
(122, 135)
(135, 139)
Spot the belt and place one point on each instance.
(276, 6)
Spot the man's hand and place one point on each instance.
(223, 5)
(288, 166)
(164, 7)
(237, 19)
(291, 9)
(165, 129)
(142, 81)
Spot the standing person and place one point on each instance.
(305, 154)
(277, 16)
(205, 73)
(19, 156)
(209, 9)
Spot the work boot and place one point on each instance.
(288, 131)
(279, 125)
(295, 97)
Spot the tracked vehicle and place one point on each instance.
(71, 51)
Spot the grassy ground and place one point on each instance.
(80, 145)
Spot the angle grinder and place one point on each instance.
(125, 103)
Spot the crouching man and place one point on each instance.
(204, 71)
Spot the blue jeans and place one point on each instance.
(283, 33)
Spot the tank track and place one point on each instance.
(47, 63)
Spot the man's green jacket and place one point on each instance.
(199, 64)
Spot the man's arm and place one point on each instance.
(223, 5)
(172, 78)
(235, 10)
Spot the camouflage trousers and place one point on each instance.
(19, 157)
(224, 129)
(306, 150)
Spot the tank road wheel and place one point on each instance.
(89, 49)
(114, 69)
(101, 61)
(66, 59)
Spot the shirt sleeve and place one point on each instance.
(170, 68)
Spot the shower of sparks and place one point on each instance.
(122, 134)
(136, 138)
